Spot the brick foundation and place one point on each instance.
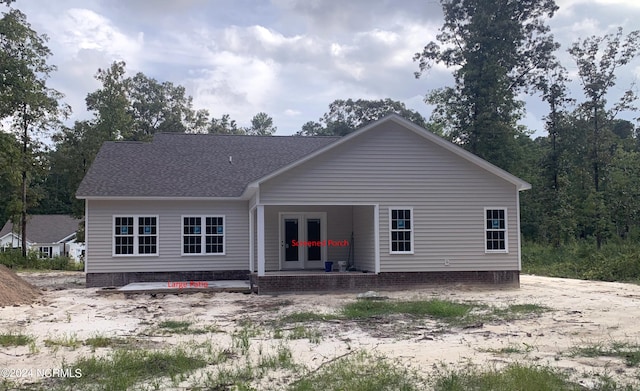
(354, 281)
(120, 279)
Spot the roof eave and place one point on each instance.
(157, 198)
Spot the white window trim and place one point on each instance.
(413, 242)
(203, 234)
(506, 230)
(135, 236)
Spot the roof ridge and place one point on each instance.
(239, 135)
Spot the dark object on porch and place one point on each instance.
(274, 283)
(328, 266)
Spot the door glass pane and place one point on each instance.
(290, 234)
(314, 253)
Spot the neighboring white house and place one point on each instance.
(49, 235)
(396, 203)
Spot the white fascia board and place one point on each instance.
(127, 198)
(67, 238)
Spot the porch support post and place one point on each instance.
(252, 239)
(261, 260)
(376, 233)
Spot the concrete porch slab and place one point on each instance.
(242, 286)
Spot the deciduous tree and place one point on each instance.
(261, 125)
(26, 101)
(495, 48)
(345, 116)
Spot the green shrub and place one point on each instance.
(13, 259)
(612, 262)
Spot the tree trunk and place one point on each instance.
(23, 212)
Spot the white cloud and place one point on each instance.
(290, 59)
(235, 84)
(83, 29)
(292, 113)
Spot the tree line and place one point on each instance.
(585, 171)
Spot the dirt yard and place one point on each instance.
(581, 313)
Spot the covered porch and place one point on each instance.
(296, 240)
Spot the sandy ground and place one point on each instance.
(582, 312)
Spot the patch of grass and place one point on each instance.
(518, 311)
(627, 351)
(304, 332)
(184, 327)
(101, 341)
(282, 359)
(527, 308)
(11, 339)
(514, 377)
(237, 377)
(512, 348)
(67, 341)
(124, 368)
(98, 342)
(277, 333)
(455, 313)
(436, 308)
(241, 338)
(303, 317)
(360, 372)
(246, 371)
(174, 325)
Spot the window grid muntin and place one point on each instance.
(214, 235)
(495, 229)
(401, 230)
(197, 240)
(135, 235)
(124, 235)
(147, 235)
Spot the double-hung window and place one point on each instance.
(401, 227)
(45, 252)
(135, 235)
(495, 227)
(202, 235)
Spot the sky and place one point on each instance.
(288, 58)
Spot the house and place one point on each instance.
(390, 205)
(49, 235)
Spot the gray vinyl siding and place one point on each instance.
(364, 240)
(339, 226)
(100, 236)
(395, 167)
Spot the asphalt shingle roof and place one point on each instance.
(45, 228)
(191, 165)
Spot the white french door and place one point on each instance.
(297, 230)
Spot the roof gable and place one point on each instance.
(45, 228)
(437, 140)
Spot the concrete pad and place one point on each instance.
(183, 287)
